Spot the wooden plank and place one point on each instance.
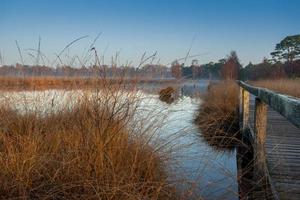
(282, 152)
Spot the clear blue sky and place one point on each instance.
(251, 27)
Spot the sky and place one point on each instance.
(209, 28)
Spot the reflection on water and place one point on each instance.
(213, 171)
(222, 142)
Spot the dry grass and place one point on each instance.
(89, 150)
(285, 86)
(43, 83)
(218, 116)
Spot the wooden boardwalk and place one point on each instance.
(282, 153)
(281, 144)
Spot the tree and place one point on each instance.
(176, 70)
(288, 49)
(231, 67)
(196, 70)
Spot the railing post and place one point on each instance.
(241, 107)
(245, 109)
(260, 127)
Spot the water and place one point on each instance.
(209, 172)
(213, 171)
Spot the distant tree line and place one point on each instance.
(150, 71)
(269, 70)
(285, 62)
(228, 68)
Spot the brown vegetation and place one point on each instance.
(268, 70)
(218, 116)
(42, 83)
(149, 71)
(85, 151)
(231, 67)
(285, 86)
(167, 94)
(176, 70)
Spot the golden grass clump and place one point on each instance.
(85, 151)
(217, 116)
(69, 83)
(167, 94)
(285, 86)
(49, 82)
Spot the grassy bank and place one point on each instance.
(43, 83)
(285, 86)
(88, 150)
(217, 116)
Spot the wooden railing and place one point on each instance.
(287, 106)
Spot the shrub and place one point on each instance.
(167, 94)
(217, 116)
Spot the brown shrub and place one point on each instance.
(217, 116)
(167, 94)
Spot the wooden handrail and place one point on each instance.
(287, 106)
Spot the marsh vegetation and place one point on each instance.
(284, 86)
(218, 116)
(90, 148)
(104, 142)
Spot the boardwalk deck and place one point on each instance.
(282, 153)
(278, 139)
